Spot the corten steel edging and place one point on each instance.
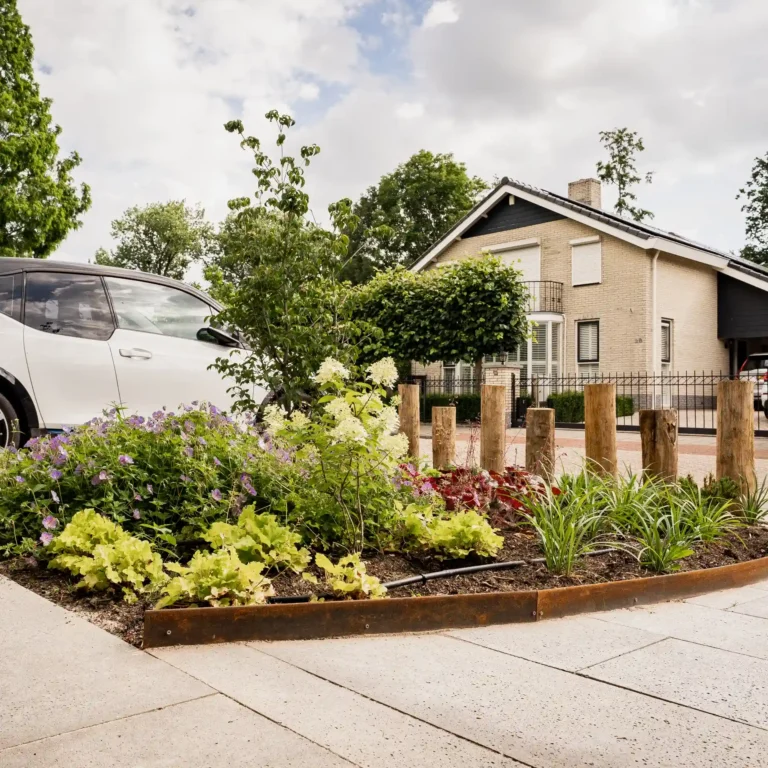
(306, 621)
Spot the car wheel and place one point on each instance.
(9, 425)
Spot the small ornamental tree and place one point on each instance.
(755, 192)
(457, 313)
(39, 201)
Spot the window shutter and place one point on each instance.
(587, 263)
(589, 334)
(527, 260)
(666, 341)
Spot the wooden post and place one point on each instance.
(540, 442)
(600, 428)
(736, 432)
(409, 416)
(443, 436)
(658, 436)
(493, 431)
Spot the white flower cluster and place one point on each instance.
(274, 418)
(329, 371)
(349, 430)
(339, 408)
(389, 419)
(395, 445)
(383, 373)
(299, 419)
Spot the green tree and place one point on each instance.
(278, 276)
(623, 146)
(408, 211)
(39, 202)
(755, 192)
(456, 313)
(162, 238)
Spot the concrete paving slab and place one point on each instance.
(59, 673)
(541, 716)
(569, 644)
(727, 598)
(205, 733)
(707, 626)
(757, 608)
(361, 730)
(709, 679)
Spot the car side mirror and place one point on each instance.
(219, 336)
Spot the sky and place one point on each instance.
(517, 88)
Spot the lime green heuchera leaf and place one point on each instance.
(348, 578)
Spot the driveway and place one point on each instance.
(675, 684)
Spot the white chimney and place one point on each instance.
(586, 191)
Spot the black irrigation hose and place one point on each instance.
(423, 578)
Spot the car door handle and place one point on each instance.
(141, 354)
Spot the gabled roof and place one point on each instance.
(639, 234)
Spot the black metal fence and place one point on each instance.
(693, 395)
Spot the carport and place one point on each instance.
(742, 312)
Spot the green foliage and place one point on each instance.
(663, 537)
(460, 312)
(260, 538)
(461, 534)
(568, 525)
(569, 406)
(278, 276)
(39, 203)
(105, 556)
(219, 578)
(755, 194)
(408, 211)
(467, 406)
(724, 489)
(348, 578)
(623, 145)
(161, 238)
(753, 504)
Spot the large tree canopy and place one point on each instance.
(755, 192)
(407, 211)
(39, 202)
(460, 312)
(162, 238)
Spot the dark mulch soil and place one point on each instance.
(126, 621)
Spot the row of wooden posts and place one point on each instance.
(658, 433)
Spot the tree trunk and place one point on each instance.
(540, 442)
(658, 435)
(478, 374)
(409, 416)
(736, 432)
(600, 428)
(443, 436)
(493, 431)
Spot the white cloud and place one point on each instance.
(309, 91)
(409, 110)
(441, 12)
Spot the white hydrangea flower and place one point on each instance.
(395, 400)
(339, 408)
(373, 404)
(329, 370)
(299, 419)
(395, 446)
(274, 418)
(389, 419)
(383, 373)
(349, 430)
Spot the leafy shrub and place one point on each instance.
(724, 489)
(105, 556)
(663, 537)
(348, 578)
(462, 534)
(467, 406)
(705, 518)
(260, 538)
(753, 504)
(569, 406)
(219, 578)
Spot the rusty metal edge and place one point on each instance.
(306, 621)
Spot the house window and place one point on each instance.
(449, 377)
(588, 346)
(586, 262)
(666, 345)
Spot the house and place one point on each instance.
(609, 295)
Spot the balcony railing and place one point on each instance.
(544, 296)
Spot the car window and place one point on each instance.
(156, 308)
(10, 296)
(756, 363)
(68, 305)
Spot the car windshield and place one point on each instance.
(756, 363)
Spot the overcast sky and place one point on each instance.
(511, 87)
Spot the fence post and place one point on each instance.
(736, 432)
(540, 442)
(492, 428)
(409, 416)
(443, 436)
(600, 428)
(658, 435)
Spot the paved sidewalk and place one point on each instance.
(676, 684)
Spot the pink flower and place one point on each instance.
(124, 459)
(50, 523)
(136, 514)
(46, 538)
(216, 493)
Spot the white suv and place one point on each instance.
(77, 338)
(755, 368)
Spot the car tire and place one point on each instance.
(10, 436)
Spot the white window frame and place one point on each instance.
(666, 364)
(586, 367)
(590, 274)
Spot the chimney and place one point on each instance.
(585, 191)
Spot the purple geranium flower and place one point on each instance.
(125, 459)
(185, 478)
(137, 497)
(46, 538)
(50, 523)
(189, 426)
(60, 458)
(55, 497)
(136, 514)
(37, 456)
(56, 474)
(283, 456)
(79, 469)
(20, 479)
(216, 462)
(158, 415)
(202, 441)
(189, 451)
(216, 493)
(103, 476)
(149, 489)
